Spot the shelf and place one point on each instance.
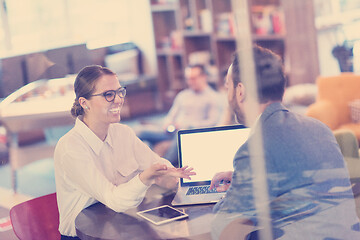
(169, 52)
(196, 33)
(270, 37)
(273, 37)
(166, 7)
(221, 38)
(184, 22)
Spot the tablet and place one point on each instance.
(162, 214)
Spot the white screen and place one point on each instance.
(211, 152)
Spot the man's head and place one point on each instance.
(196, 77)
(270, 81)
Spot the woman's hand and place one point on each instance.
(171, 178)
(184, 172)
(157, 172)
(148, 175)
(221, 181)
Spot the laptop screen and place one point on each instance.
(209, 150)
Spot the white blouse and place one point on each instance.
(88, 170)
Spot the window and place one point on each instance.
(99, 23)
(35, 25)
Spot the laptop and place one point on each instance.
(208, 151)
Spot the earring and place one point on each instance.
(86, 108)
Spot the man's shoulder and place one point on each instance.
(279, 113)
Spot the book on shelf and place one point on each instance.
(176, 40)
(225, 24)
(206, 20)
(267, 20)
(171, 43)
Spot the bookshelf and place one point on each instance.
(188, 31)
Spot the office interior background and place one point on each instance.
(148, 43)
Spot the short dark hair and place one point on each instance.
(84, 85)
(270, 78)
(200, 66)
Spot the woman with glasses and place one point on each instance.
(100, 159)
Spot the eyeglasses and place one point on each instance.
(111, 94)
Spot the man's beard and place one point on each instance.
(239, 115)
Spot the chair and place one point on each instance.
(37, 218)
(349, 148)
(332, 103)
(348, 143)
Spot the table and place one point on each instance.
(100, 222)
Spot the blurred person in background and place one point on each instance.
(197, 106)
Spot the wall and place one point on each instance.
(301, 42)
(142, 33)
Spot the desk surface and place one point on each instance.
(39, 104)
(100, 222)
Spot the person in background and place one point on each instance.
(195, 107)
(309, 195)
(100, 159)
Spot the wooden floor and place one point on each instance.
(5, 226)
(7, 200)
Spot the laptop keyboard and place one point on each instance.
(200, 190)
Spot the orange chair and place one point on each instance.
(332, 103)
(37, 218)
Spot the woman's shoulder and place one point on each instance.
(71, 138)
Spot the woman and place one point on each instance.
(101, 159)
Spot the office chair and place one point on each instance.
(37, 218)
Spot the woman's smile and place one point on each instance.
(115, 110)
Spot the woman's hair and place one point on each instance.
(84, 85)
